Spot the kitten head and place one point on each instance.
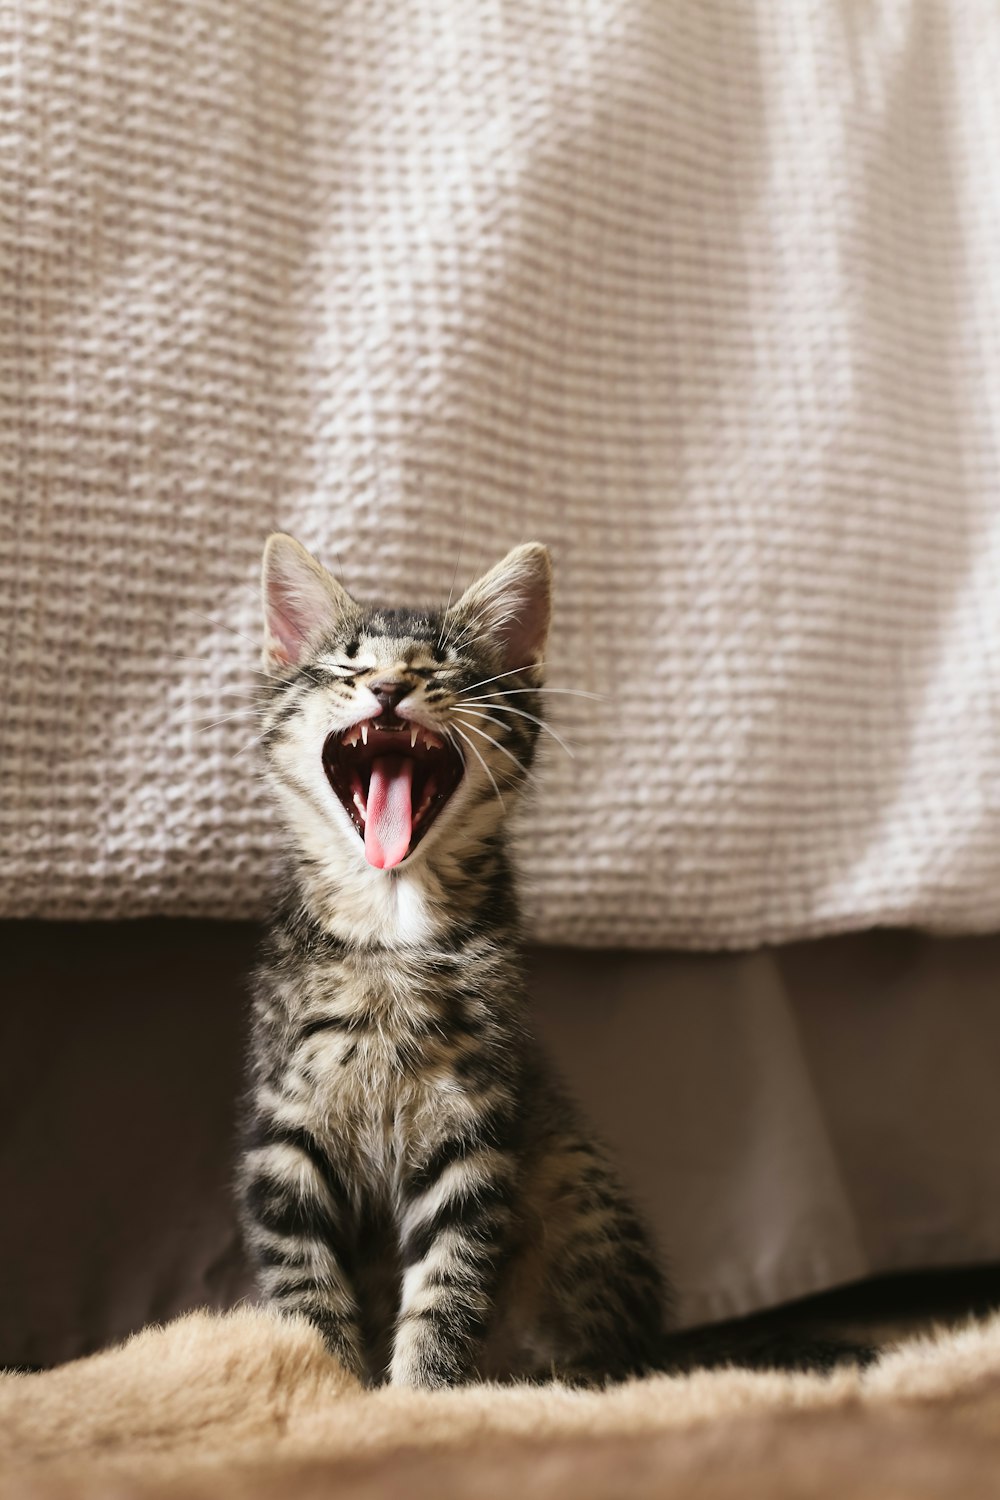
(393, 735)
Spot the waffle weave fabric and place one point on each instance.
(706, 296)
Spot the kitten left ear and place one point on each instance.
(512, 603)
(302, 602)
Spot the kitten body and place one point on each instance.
(414, 1179)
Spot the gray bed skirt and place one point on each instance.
(793, 1119)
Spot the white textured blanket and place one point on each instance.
(706, 296)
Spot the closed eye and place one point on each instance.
(339, 670)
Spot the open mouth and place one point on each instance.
(393, 777)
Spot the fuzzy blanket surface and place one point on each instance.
(246, 1405)
(706, 296)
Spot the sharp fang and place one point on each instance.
(414, 733)
(351, 739)
(364, 733)
(359, 804)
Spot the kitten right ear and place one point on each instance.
(302, 602)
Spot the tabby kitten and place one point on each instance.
(414, 1181)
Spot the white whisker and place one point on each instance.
(225, 693)
(442, 639)
(482, 762)
(478, 713)
(502, 748)
(208, 661)
(507, 708)
(221, 625)
(514, 672)
(511, 692)
(240, 713)
(255, 741)
(471, 631)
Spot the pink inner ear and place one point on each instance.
(297, 610)
(523, 634)
(287, 639)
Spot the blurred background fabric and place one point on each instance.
(705, 296)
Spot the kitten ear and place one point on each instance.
(302, 602)
(512, 603)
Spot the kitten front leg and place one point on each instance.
(455, 1225)
(297, 1219)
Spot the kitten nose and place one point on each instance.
(389, 691)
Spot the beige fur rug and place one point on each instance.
(245, 1405)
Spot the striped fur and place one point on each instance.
(414, 1180)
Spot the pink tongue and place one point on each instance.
(388, 814)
